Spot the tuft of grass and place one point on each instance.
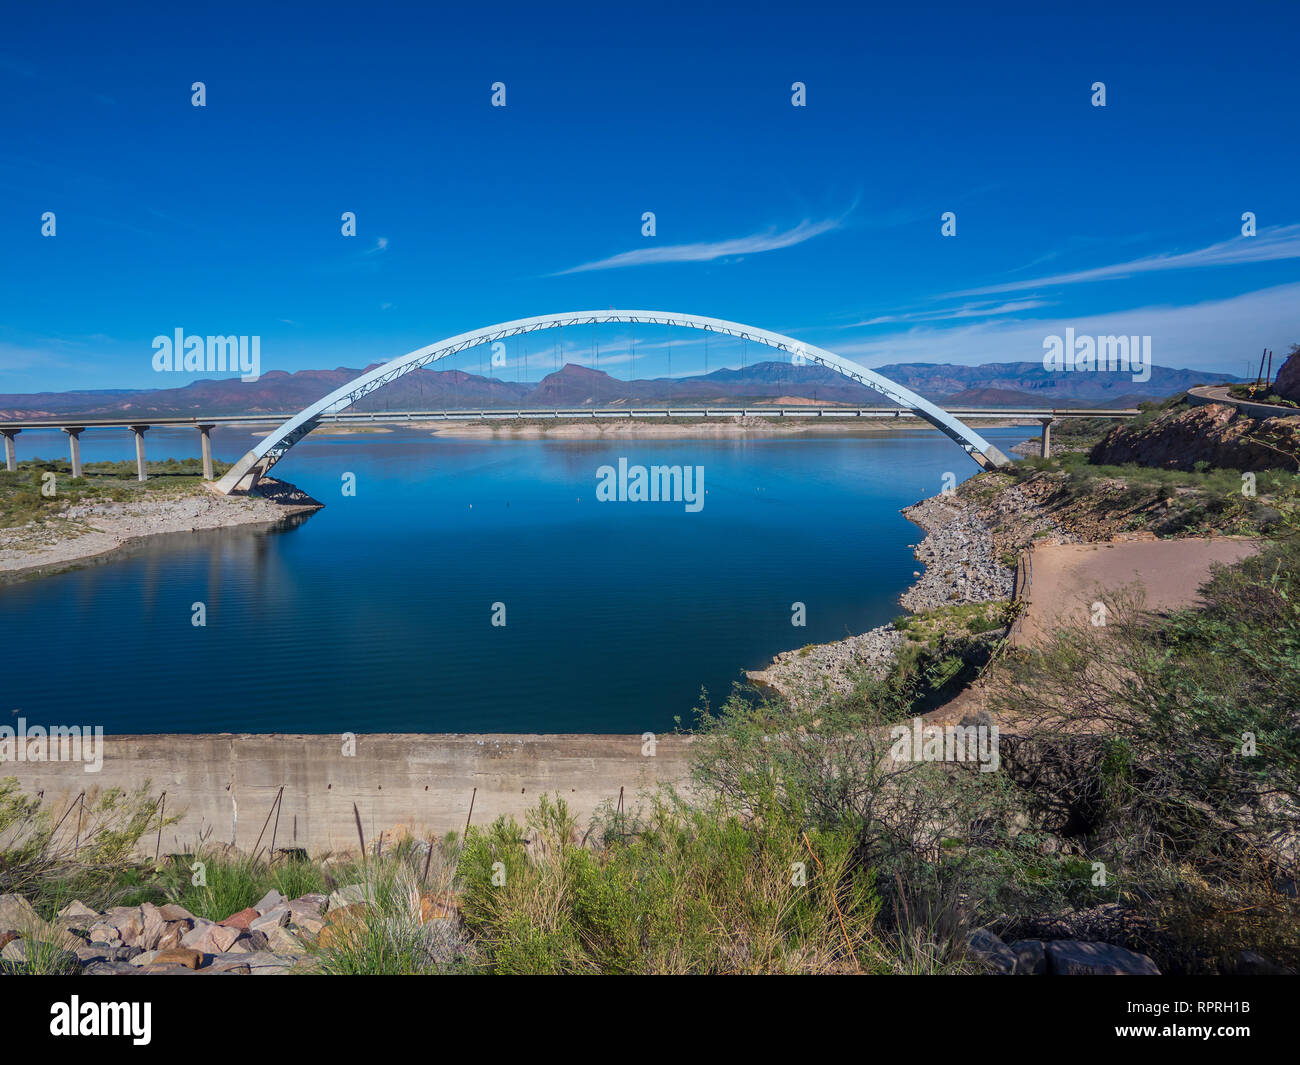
(389, 935)
(226, 884)
(295, 877)
(45, 955)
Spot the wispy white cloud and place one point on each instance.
(1217, 335)
(1277, 242)
(15, 358)
(980, 309)
(367, 260)
(769, 240)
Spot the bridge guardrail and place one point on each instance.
(811, 411)
(1198, 397)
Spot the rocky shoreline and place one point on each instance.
(961, 566)
(826, 668)
(731, 425)
(83, 531)
(275, 935)
(959, 554)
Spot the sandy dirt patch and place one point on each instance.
(1066, 579)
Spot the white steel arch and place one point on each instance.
(245, 474)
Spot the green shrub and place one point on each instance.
(683, 889)
(1193, 724)
(85, 851)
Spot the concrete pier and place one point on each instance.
(74, 446)
(11, 454)
(1045, 447)
(141, 469)
(224, 784)
(205, 442)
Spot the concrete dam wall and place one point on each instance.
(222, 786)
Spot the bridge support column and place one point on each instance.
(141, 470)
(205, 442)
(1045, 445)
(11, 454)
(74, 446)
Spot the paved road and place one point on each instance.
(1220, 394)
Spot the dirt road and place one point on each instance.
(1067, 579)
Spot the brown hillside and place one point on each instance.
(1183, 436)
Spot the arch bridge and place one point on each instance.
(245, 474)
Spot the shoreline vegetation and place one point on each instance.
(51, 522)
(1144, 816)
(973, 538)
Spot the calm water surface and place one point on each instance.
(375, 613)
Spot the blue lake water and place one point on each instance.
(375, 613)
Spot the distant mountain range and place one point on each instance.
(1007, 384)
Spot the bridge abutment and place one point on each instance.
(205, 444)
(74, 447)
(141, 470)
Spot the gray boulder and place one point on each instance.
(105, 952)
(1249, 963)
(309, 904)
(259, 963)
(991, 952)
(282, 941)
(129, 922)
(276, 918)
(78, 911)
(1072, 957)
(110, 968)
(106, 934)
(17, 915)
(248, 943)
(1031, 957)
(154, 925)
(270, 901)
(210, 938)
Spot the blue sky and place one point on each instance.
(821, 221)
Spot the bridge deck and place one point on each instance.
(11, 425)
